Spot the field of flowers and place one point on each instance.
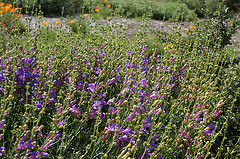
(79, 90)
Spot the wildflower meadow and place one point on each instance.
(74, 89)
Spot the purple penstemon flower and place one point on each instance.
(1, 148)
(23, 145)
(128, 65)
(130, 53)
(75, 110)
(92, 87)
(144, 82)
(2, 124)
(111, 126)
(38, 104)
(184, 134)
(216, 113)
(209, 129)
(40, 132)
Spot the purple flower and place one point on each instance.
(75, 110)
(128, 65)
(153, 95)
(32, 49)
(2, 124)
(145, 156)
(38, 104)
(210, 128)
(48, 144)
(60, 123)
(144, 82)
(96, 104)
(131, 116)
(196, 116)
(216, 113)
(1, 148)
(97, 71)
(92, 87)
(130, 53)
(22, 145)
(184, 135)
(127, 131)
(118, 69)
(157, 86)
(40, 132)
(159, 110)
(111, 126)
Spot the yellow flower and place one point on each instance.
(84, 15)
(1, 12)
(92, 28)
(166, 47)
(97, 10)
(105, 0)
(2, 4)
(108, 5)
(192, 27)
(72, 21)
(57, 22)
(45, 23)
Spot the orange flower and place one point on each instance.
(192, 27)
(72, 21)
(92, 28)
(2, 4)
(96, 6)
(5, 9)
(84, 15)
(108, 5)
(3, 24)
(19, 15)
(105, 0)
(186, 30)
(9, 5)
(13, 9)
(57, 22)
(45, 23)
(97, 10)
(1, 12)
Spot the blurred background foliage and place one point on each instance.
(161, 9)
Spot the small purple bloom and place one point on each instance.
(144, 82)
(111, 126)
(74, 109)
(130, 53)
(128, 65)
(210, 128)
(131, 116)
(38, 104)
(92, 87)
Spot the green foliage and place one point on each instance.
(80, 93)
